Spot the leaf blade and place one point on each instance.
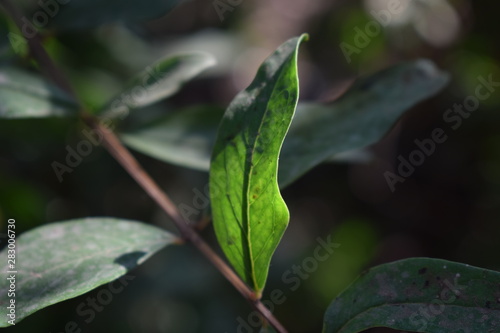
(159, 81)
(246, 202)
(402, 294)
(357, 119)
(67, 259)
(26, 95)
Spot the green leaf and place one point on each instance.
(157, 82)
(357, 119)
(318, 133)
(85, 14)
(63, 260)
(419, 295)
(185, 137)
(249, 213)
(26, 95)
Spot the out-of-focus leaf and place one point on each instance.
(357, 119)
(419, 295)
(184, 137)
(63, 260)
(85, 14)
(248, 211)
(157, 82)
(362, 155)
(26, 95)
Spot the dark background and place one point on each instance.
(448, 208)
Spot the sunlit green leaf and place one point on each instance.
(157, 82)
(419, 295)
(249, 213)
(62, 260)
(26, 95)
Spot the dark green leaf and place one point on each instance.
(359, 118)
(157, 82)
(62, 260)
(419, 295)
(84, 14)
(249, 213)
(26, 95)
(184, 137)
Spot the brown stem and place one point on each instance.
(130, 164)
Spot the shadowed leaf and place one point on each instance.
(419, 295)
(359, 118)
(27, 95)
(157, 82)
(63, 260)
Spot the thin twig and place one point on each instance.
(130, 164)
(34, 41)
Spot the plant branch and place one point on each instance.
(130, 164)
(34, 41)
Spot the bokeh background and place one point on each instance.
(449, 208)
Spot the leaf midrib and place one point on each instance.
(249, 174)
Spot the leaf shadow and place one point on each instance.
(130, 260)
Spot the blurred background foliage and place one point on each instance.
(448, 208)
